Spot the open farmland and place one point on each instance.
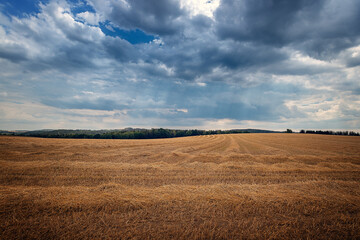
(251, 186)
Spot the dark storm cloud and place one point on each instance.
(193, 59)
(353, 61)
(14, 53)
(235, 56)
(320, 28)
(68, 58)
(120, 49)
(262, 21)
(201, 22)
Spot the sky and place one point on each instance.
(181, 64)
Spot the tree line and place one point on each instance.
(124, 133)
(330, 132)
(139, 133)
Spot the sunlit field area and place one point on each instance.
(236, 186)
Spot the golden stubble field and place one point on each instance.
(240, 186)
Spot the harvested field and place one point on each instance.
(243, 186)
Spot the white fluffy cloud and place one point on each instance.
(204, 7)
(89, 17)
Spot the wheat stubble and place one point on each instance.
(238, 186)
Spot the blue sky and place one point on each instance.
(100, 64)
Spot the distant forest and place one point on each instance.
(139, 133)
(329, 132)
(128, 133)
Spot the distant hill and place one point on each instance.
(250, 130)
(15, 132)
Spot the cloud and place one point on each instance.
(172, 64)
(53, 38)
(319, 28)
(200, 7)
(89, 17)
(268, 22)
(160, 17)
